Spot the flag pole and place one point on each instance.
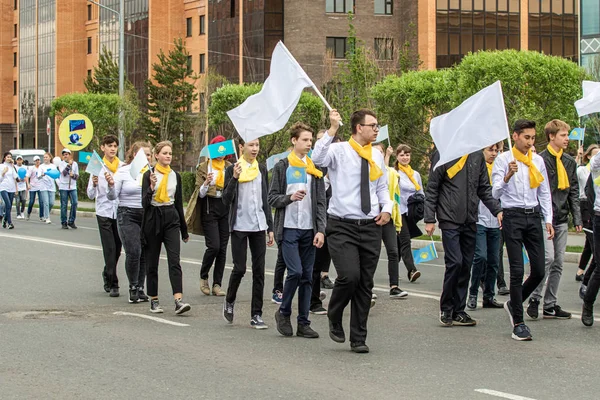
(507, 127)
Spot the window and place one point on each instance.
(338, 46)
(188, 29)
(384, 7)
(14, 88)
(15, 28)
(202, 25)
(232, 11)
(89, 45)
(384, 48)
(189, 64)
(89, 9)
(89, 73)
(202, 102)
(15, 59)
(15, 115)
(16, 4)
(202, 61)
(339, 6)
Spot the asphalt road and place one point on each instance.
(61, 338)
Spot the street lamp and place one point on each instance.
(121, 15)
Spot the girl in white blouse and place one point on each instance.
(8, 187)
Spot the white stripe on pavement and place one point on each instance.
(502, 394)
(156, 319)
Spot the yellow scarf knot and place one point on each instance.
(535, 176)
(219, 166)
(366, 152)
(489, 169)
(456, 168)
(249, 172)
(561, 172)
(111, 166)
(297, 162)
(411, 175)
(162, 195)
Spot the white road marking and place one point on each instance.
(151, 318)
(502, 394)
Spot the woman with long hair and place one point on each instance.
(47, 188)
(34, 182)
(8, 187)
(163, 223)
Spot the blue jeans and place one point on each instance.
(485, 262)
(299, 255)
(7, 198)
(46, 203)
(32, 196)
(65, 196)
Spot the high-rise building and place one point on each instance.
(590, 35)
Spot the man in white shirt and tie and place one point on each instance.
(360, 205)
(520, 183)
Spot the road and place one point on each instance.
(64, 338)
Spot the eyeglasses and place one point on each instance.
(375, 127)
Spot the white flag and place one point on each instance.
(480, 121)
(384, 134)
(138, 163)
(590, 103)
(269, 110)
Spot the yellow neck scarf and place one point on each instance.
(296, 161)
(162, 196)
(219, 166)
(411, 175)
(112, 166)
(249, 173)
(456, 168)
(563, 178)
(535, 176)
(489, 168)
(366, 152)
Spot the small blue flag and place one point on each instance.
(84, 157)
(525, 258)
(95, 164)
(274, 159)
(577, 134)
(425, 254)
(383, 135)
(295, 175)
(221, 149)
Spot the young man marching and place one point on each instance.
(300, 218)
(250, 219)
(521, 184)
(67, 187)
(564, 186)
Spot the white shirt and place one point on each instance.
(250, 215)
(582, 176)
(408, 189)
(518, 192)
(343, 167)
(47, 183)
(171, 188)
(66, 182)
(105, 207)
(595, 167)
(8, 179)
(126, 191)
(298, 215)
(35, 182)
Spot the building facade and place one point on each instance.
(590, 35)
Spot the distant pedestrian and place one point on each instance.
(8, 187)
(67, 187)
(47, 188)
(21, 193)
(34, 183)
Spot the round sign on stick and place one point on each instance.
(76, 132)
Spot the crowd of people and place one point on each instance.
(339, 204)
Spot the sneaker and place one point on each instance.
(228, 311)
(373, 300)
(587, 314)
(472, 302)
(217, 291)
(27, 218)
(463, 319)
(11, 226)
(19, 216)
(4, 223)
(322, 295)
(532, 308)
(133, 295)
(397, 293)
(63, 226)
(257, 322)
(582, 290)
(155, 307)
(72, 225)
(491, 303)
(446, 318)
(181, 307)
(319, 311)
(277, 297)
(359, 347)
(48, 222)
(106, 285)
(509, 311)
(204, 288)
(326, 282)
(306, 331)
(521, 333)
(114, 292)
(336, 332)
(43, 219)
(284, 326)
(556, 313)
(414, 275)
(142, 296)
(503, 291)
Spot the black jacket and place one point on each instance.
(279, 200)
(416, 210)
(230, 196)
(565, 200)
(455, 201)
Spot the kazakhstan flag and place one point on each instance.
(425, 254)
(221, 149)
(295, 175)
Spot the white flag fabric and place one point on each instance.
(480, 121)
(269, 110)
(384, 134)
(138, 163)
(590, 103)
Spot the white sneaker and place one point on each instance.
(27, 217)
(19, 216)
(48, 221)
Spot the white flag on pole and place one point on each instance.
(478, 122)
(384, 134)
(590, 103)
(269, 110)
(138, 163)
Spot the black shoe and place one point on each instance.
(72, 225)
(521, 333)
(181, 307)
(532, 308)
(413, 275)
(326, 283)
(582, 290)
(155, 307)
(114, 292)
(472, 302)
(446, 318)
(491, 303)
(587, 314)
(359, 347)
(306, 331)
(142, 296)
(106, 285)
(284, 326)
(503, 291)
(556, 313)
(509, 311)
(319, 311)
(336, 332)
(463, 319)
(64, 226)
(228, 311)
(133, 295)
(397, 293)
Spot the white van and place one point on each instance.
(28, 155)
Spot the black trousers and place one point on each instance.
(587, 216)
(404, 246)
(520, 229)
(240, 241)
(216, 237)
(459, 250)
(169, 234)
(594, 282)
(111, 248)
(355, 252)
(390, 240)
(322, 260)
(500, 281)
(279, 270)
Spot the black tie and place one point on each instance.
(365, 197)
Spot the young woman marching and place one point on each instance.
(163, 222)
(47, 188)
(8, 187)
(34, 184)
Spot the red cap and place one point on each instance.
(218, 139)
